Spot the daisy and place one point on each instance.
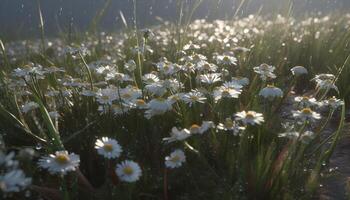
(120, 77)
(138, 103)
(271, 92)
(157, 106)
(160, 105)
(306, 114)
(106, 96)
(325, 81)
(130, 65)
(196, 58)
(194, 96)
(150, 78)
(226, 60)
(29, 106)
(226, 92)
(298, 70)
(128, 171)
(210, 78)
(108, 148)
(250, 117)
(60, 163)
(14, 181)
(333, 102)
(190, 46)
(240, 81)
(204, 66)
(157, 88)
(265, 71)
(173, 85)
(177, 135)
(230, 125)
(129, 93)
(175, 159)
(196, 129)
(305, 101)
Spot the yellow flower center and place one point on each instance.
(62, 158)
(108, 147)
(105, 97)
(206, 66)
(306, 111)
(226, 92)
(175, 158)
(250, 115)
(126, 95)
(332, 100)
(140, 102)
(194, 98)
(264, 67)
(128, 170)
(194, 128)
(305, 98)
(228, 123)
(226, 59)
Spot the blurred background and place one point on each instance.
(20, 19)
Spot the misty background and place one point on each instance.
(20, 19)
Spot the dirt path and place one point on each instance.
(334, 186)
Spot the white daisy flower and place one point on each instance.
(191, 46)
(226, 60)
(119, 109)
(166, 67)
(305, 101)
(150, 78)
(271, 92)
(29, 106)
(265, 71)
(138, 103)
(196, 129)
(210, 78)
(129, 93)
(196, 58)
(298, 70)
(156, 88)
(325, 82)
(204, 66)
(128, 171)
(192, 97)
(60, 163)
(158, 106)
(250, 117)
(108, 148)
(333, 102)
(106, 96)
(173, 85)
(306, 114)
(239, 81)
(120, 77)
(130, 65)
(230, 125)
(14, 181)
(177, 135)
(175, 159)
(226, 92)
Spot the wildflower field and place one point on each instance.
(223, 109)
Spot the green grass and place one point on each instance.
(257, 164)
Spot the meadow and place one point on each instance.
(198, 109)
